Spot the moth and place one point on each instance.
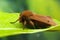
(34, 21)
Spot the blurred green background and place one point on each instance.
(45, 7)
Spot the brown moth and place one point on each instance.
(35, 21)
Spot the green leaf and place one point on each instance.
(6, 28)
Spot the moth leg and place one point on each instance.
(29, 20)
(32, 24)
(24, 23)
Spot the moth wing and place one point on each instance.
(44, 19)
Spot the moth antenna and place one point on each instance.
(14, 21)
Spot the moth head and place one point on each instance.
(27, 13)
